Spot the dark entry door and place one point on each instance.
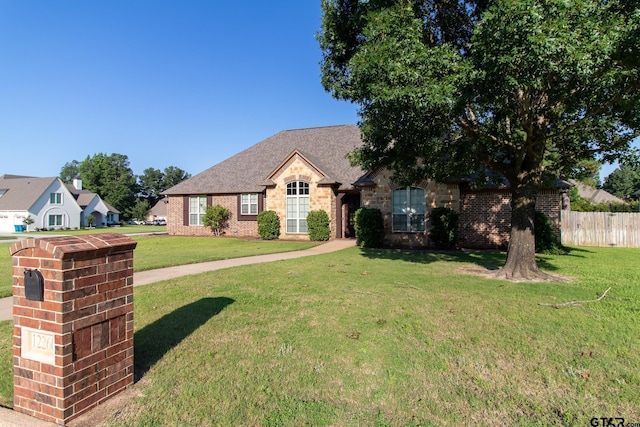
(350, 204)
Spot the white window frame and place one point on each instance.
(197, 210)
(55, 198)
(249, 204)
(409, 210)
(297, 207)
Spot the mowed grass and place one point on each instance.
(386, 338)
(158, 251)
(389, 338)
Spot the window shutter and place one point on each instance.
(260, 202)
(185, 210)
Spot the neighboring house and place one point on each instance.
(49, 202)
(595, 195)
(297, 171)
(103, 213)
(158, 211)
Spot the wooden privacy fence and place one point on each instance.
(612, 229)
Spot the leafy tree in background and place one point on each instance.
(140, 210)
(69, 171)
(153, 182)
(625, 180)
(524, 88)
(111, 177)
(173, 176)
(587, 172)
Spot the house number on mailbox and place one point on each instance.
(38, 345)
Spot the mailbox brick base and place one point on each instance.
(74, 348)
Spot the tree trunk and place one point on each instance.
(521, 255)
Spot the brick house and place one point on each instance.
(297, 171)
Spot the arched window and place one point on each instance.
(297, 206)
(409, 209)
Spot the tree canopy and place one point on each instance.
(111, 177)
(527, 89)
(153, 182)
(625, 180)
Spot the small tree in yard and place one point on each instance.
(27, 222)
(90, 220)
(216, 217)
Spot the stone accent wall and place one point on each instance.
(320, 197)
(74, 348)
(485, 216)
(380, 196)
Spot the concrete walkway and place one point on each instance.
(10, 418)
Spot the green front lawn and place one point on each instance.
(157, 251)
(386, 338)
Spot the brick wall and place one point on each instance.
(176, 224)
(485, 216)
(74, 349)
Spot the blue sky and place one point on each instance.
(167, 83)
(183, 83)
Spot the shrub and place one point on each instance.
(547, 241)
(216, 217)
(369, 226)
(318, 223)
(268, 225)
(444, 228)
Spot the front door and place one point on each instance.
(350, 204)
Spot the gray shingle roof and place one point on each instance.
(246, 172)
(595, 195)
(22, 192)
(83, 197)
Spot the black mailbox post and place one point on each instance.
(33, 285)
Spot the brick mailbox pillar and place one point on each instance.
(72, 323)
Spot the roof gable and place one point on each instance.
(325, 148)
(313, 165)
(22, 192)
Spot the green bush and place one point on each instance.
(547, 241)
(444, 228)
(268, 225)
(369, 226)
(216, 217)
(318, 224)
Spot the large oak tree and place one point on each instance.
(525, 89)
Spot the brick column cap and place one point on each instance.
(70, 247)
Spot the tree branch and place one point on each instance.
(597, 111)
(576, 302)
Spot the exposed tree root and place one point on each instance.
(524, 275)
(540, 276)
